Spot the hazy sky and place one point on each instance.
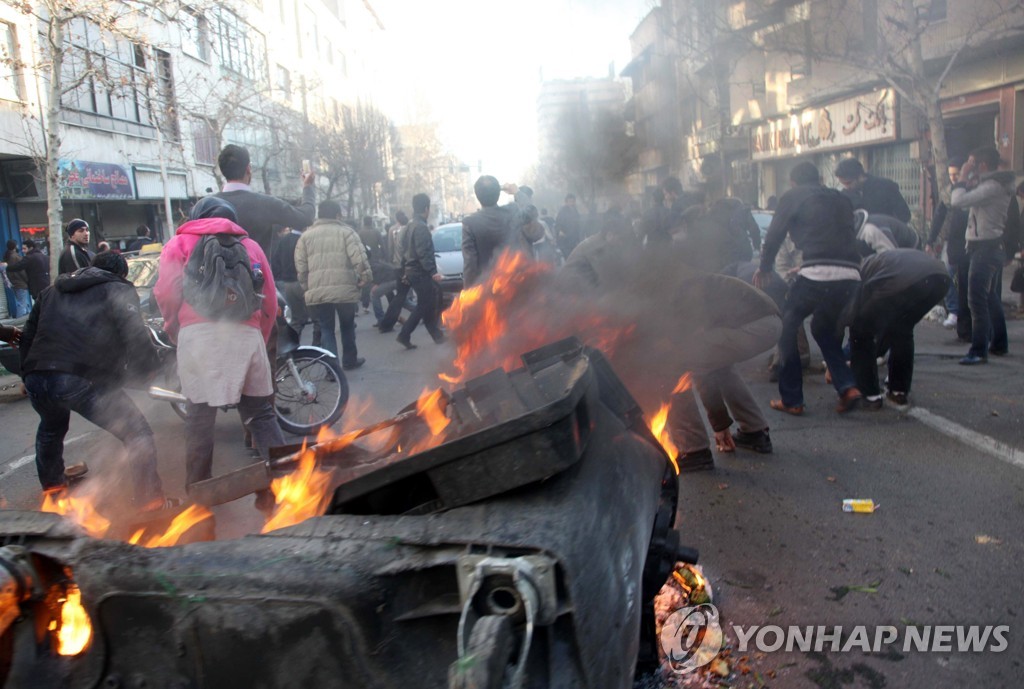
(476, 65)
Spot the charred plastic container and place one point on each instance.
(524, 552)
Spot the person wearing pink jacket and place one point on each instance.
(220, 363)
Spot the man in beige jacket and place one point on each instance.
(332, 268)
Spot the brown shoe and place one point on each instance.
(777, 405)
(850, 398)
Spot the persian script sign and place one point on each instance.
(851, 122)
(82, 179)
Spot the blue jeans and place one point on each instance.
(324, 314)
(55, 395)
(22, 306)
(377, 294)
(824, 300)
(952, 297)
(984, 289)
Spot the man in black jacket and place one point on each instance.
(286, 277)
(76, 254)
(820, 222)
(258, 213)
(84, 339)
(493, 228)
(143, 236)
(36, 267)
(421, 273)
(873, 194)
(567, 226)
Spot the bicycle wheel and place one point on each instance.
(314, 400)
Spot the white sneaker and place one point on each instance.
(950, 321)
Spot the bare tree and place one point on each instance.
(366, 146)
(909, 45)
(66, 67)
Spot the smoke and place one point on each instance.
(651, 315)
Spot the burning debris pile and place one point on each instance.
(456, 543)
(470, 524)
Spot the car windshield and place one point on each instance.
(142, 271)
(448, 238)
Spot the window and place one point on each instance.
(328, 51)
(204, 139)
(283, 82)
(168, 121)
(107, 76)
(800, 69)
(309, 37)
(9, 66)
(195, 38)
(933, 11)
(241, 48)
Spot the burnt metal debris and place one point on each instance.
(524, 551)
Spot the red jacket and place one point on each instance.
(168, 290)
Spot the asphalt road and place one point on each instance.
(945, 547)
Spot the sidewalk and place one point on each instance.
(10, 387)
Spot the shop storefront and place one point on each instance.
(865, 126)
(114, 199)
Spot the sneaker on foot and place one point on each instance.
(701, 460)
(973, 360)
(899, 399)
(950, 321)
(871, 403)
(758, 441)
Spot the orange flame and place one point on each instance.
(684, 383)
(479, 315)
(192, 515)
(660, 420)
(429, 408)
(299, 495)
(658, 423)
(75, 628)
(79, 510)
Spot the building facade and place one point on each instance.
(764, 84)
(146, 111)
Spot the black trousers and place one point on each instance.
(395, 307)
(890, 326)
(426, 308)
(963, 315)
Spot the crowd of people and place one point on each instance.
(847, 259)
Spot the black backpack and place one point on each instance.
(219, 282)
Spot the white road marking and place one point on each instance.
(1007, 453)
(28, 459)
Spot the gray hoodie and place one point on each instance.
(988, 203)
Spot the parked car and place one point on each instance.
(143, 269)
(9, 357)
(448, 252)
(763, 220)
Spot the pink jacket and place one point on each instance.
(168, 290)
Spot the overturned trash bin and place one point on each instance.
(524, 551)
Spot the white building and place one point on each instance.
(248, 72)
